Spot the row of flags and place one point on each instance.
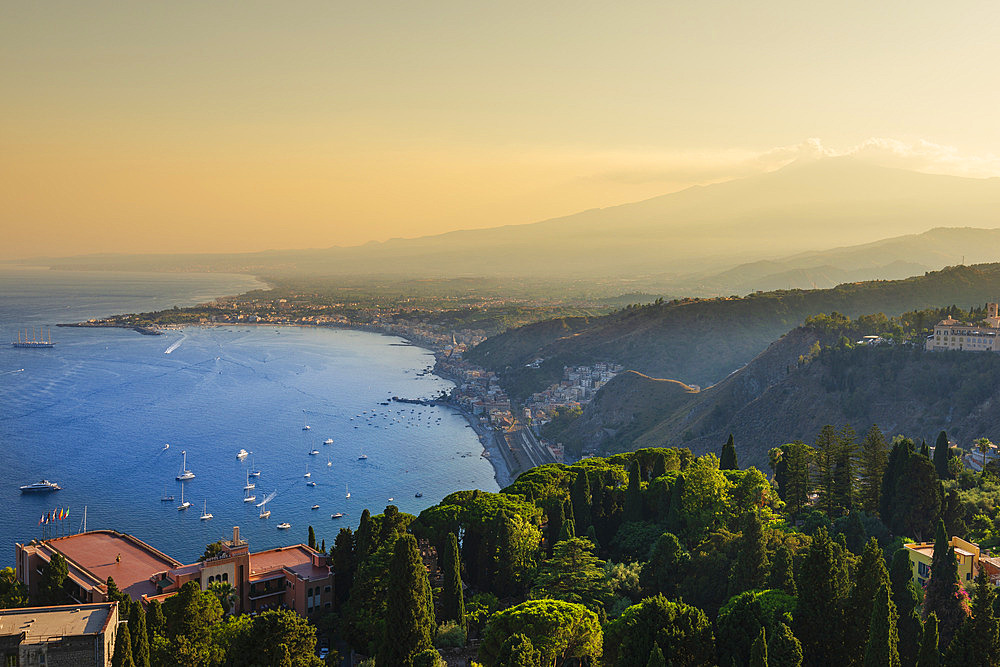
(54, 515)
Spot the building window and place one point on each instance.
(326, 590)
(309, 593)
(923, 569)
(968, 576)
(225, 576)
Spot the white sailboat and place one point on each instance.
(253, 468)
(166, 498)
(348, 495)
(264, 512)
(185, 473)
(329, 463)
(308, 474)
(249, 485)
(184, 504)
(205, 516)
(305, 424)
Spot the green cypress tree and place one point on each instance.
(881, 649)
(942, 452)
(138, 636)
(452, 598)
(557, 517)
(870, 577)
(675, 515)
(728, 459)
(122, 656)
(656, 658)
(827, 448)
(900, 572)
(749, 570)
(569, 525)
(929, 655)
(364, 538)
(872, 461)
(312, 538)
(580, 496)
(505, 582)
(344, 565)
(758, 652)
(409, 619)
(783, 649)
(819, 612)
(633, 495)
(942, 596)
(908, 626)
(155, 621)
(782, 575)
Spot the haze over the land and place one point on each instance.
(193, 127)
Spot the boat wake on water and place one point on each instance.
(173, 346)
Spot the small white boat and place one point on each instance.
(242, 454)
(185, 473)
(249, 485)
(284, 526)
(310, 483)
(253, 468)
(329, 463)
(167, 498)
(264, 512)
(249, 498)
(348, 491)
(338, 515)
(391, 499)
(313, 452)
(315, 507)
(363, 457)
(418, 494)
(205, 515)
(305, 424)
(328, 441)
(308, 474)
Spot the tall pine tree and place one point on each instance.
(749, 570)
(364, 538)
(872, 461)
(881, 649)
(409, 618)
(452, 598)
(728, 459)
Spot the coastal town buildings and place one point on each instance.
(577, 387)
(294, 577)
(950, 334)
(81, 635)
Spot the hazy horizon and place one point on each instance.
(208, 128)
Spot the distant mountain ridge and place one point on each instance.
(681, 239)
(702, 341)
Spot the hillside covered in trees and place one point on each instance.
(701, 341)
(658, 557)
(814, 375)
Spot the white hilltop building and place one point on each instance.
(950, 334)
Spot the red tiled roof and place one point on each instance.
(96, 553)
(298, 559)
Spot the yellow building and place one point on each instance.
(968, 555)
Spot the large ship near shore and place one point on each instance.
(35, 341)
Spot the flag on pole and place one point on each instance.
(41, 520)
(66, 516)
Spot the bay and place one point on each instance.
(96, 414)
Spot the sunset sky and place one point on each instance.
(238, 126)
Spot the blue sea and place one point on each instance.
(106, 413)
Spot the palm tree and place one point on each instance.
(226, 593)
(984, 445)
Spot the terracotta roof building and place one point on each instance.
(294, 577)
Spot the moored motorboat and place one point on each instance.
(43, 486)
(284, 525)
(328, 441)
(242, 454)
(338, 515)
